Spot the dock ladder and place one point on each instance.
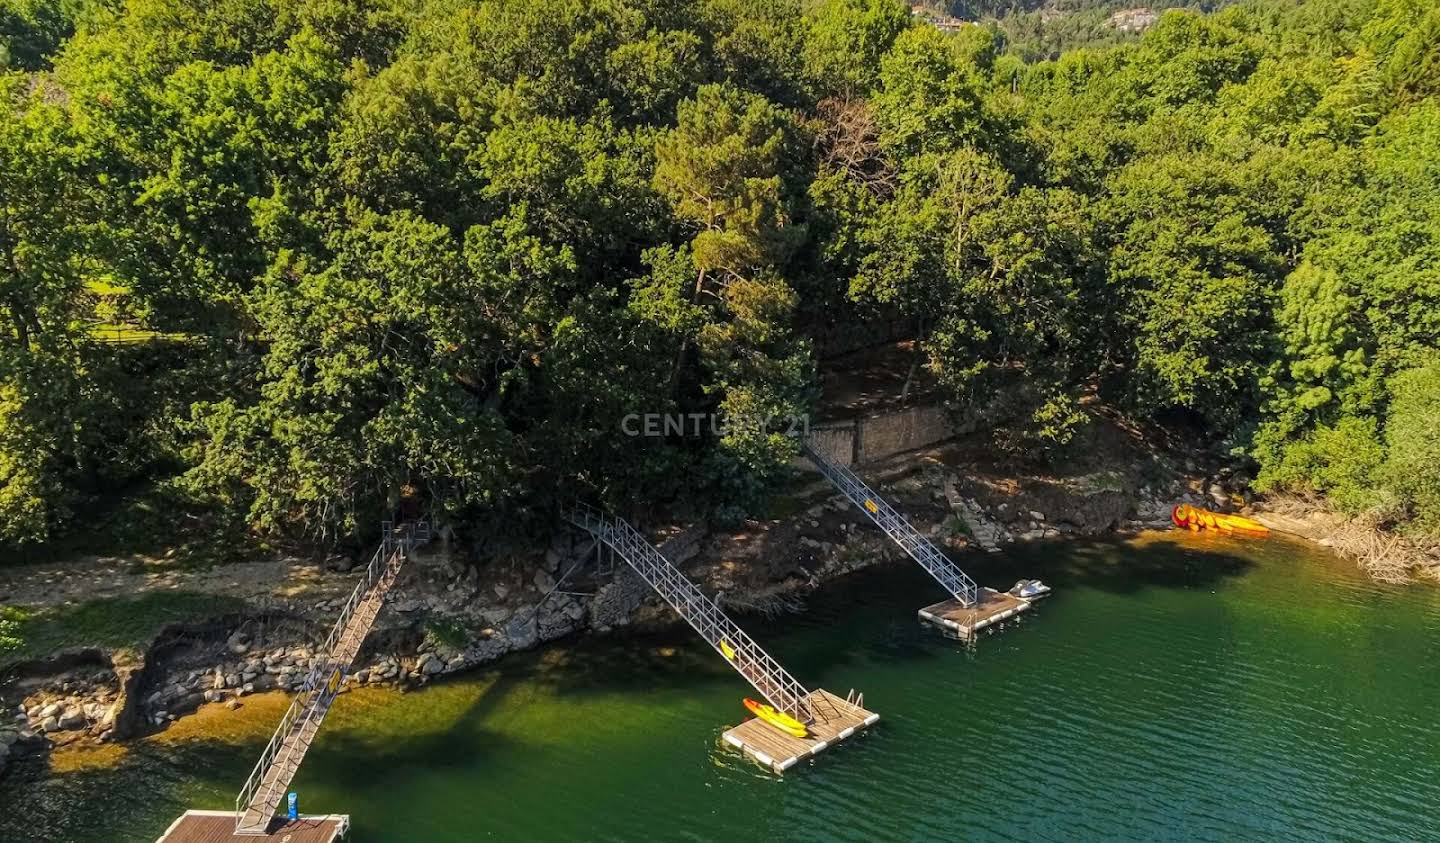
(759, 668)
(259, 800)
(939, 566)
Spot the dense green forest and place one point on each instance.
(282, 258)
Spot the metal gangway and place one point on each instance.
(945, 572)
(259, 800)
(761, 670)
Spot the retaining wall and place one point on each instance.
(876, 437)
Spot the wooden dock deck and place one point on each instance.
(835, 721)
(960, 622)
(219, 827)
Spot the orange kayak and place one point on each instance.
(1196, 519)
(778, 719)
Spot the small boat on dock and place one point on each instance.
(778, 719)
(1030, 590)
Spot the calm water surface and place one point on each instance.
(1177, 687)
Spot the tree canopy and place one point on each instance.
(292, 258)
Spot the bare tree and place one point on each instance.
(850, 142)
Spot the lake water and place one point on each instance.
(1177, 686)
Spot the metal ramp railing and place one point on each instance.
(769, 678)
(945, 572)
(259, 799)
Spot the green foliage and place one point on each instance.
(356, 246)
(1412, 436)
(1405, 35)
(1360, 307)
(31, 31)
(724, 168)
(9, 630)
(48, 420)
(720, 169)
(1199, 269)
(1339, 460)
(932, 89)
(845, 42)
(387, 333)
(998, 274)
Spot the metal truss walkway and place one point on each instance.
(259, 800)
(761, 670)
(945, 572)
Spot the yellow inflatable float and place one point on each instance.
(1197, 519)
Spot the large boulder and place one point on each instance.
(617, 600)
(522, 631)
(72, 719)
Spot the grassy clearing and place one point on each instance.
(447, 631)
(112, 624)
(121, 333)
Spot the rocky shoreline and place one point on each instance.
(447, 615)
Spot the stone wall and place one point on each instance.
(894, 433)
(876, 437)
(836, 442)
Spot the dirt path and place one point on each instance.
(90, 578)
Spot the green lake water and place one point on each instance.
(1176, 687)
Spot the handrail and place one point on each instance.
(939, 566)
(751, 661)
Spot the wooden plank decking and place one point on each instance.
(992, 608)
(219, 827)
(835, 720)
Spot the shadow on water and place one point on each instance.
(677, 660)
(38, 802)
(883, 599)
(1121, 567)
(432, 745)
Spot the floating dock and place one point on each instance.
(219, 827)
(830, 718)
(835, 721)
(991, 607)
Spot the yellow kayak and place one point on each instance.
(727, 650)
(778, 719)
(1195, 518)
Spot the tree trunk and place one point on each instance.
(914, 362)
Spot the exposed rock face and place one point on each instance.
(987, 532)
(1133, 20)
(618, 599)
(123, 712)
(73, 696)
(1088, 504)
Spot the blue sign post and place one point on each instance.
(294, 807)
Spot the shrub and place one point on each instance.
(1340, 460)
(1412, 433)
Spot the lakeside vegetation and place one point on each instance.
(355, 245)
